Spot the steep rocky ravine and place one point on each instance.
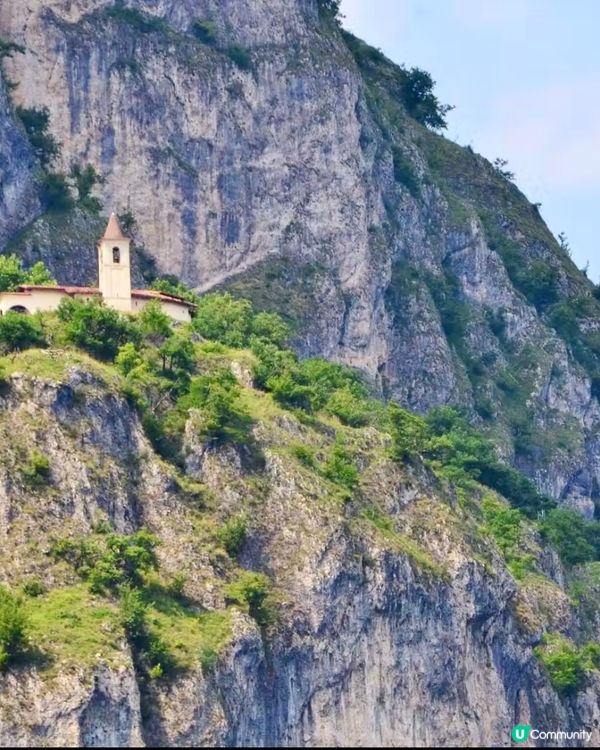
(396, 620)
(287, 167)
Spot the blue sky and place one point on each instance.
(524, 76)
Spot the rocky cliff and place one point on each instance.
(392, 618)
(19, 203)
(260, 147)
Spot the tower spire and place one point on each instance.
(113, 229)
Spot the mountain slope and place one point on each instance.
(289, 169)
(381, 614)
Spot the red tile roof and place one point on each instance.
(113, 229)
(153, 294)
(93, 291)
(66, 289)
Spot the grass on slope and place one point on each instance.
(71, 626)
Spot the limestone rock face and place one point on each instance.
(19, 202)
(257, 151)
(415, 637)
(78, 710)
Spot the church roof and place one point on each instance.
(153, 294)
(72, 290)
(76, 291)
(113, 229)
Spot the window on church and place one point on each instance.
(116, 255)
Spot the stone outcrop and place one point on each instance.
(417, 636)
(19, 203)
(258, 150)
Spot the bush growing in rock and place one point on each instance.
(575, 539)
(204, 31)
(340, 468)
(566, 664)
(252, 590)
(240, 57)
(115, 560)
(461, 449)
(36, 470)
(232, 535)
(36, 123)
(216, 399)
(13, 628)
(133, 612)
(33, 588)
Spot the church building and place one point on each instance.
(114, 285)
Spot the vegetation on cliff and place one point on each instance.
(216, 381)
(423, 490)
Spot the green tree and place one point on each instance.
(11, 273)
(39, 275)
(169, 284)
(128, 358)
(457, 446)
(177, 353)
(99, 330)
(56, 192)
(128, 222)
(540, 283)
(273, 362)
(223, 318)
(154, 324)
(350, 408)
(125, 560)
(240, 57)
(409, 432)
(421, 102)
(326, 377)
(293, 389)
(564, 662)
(133, 612)
(571, 535)
(19, 331)
(270, 327)
(329, 9)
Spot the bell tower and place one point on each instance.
(114, 267)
